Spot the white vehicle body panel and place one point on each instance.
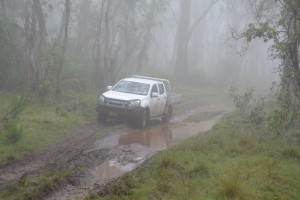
(123, 96)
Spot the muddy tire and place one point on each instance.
(166, 118)
(102, 116)
(143, 120)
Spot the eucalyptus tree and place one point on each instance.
(123, 36)
(279, 24)
(65, 21)
(36, 43)
(184, 32)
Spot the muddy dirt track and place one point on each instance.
(103, 159)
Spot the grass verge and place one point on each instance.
(36, 187)
(235, 160)
(43, 124)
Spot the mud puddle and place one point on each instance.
(127, 149)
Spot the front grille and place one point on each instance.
(116, 103)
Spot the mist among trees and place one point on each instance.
(53, 47)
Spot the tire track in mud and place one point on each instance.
(102, 159)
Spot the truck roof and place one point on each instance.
(142, 80)
(164, 81)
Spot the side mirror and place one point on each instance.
(154, 95)
(109, 87)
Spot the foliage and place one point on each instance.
(283, 31)
(13, 133)
(241, 101)
(280, 120)
(41, 125)
(254, 107)
(16, 107)
(257, 112)
(9, 123)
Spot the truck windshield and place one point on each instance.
(132, 87)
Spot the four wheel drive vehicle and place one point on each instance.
(139, 98)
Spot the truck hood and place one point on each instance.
(122, 96)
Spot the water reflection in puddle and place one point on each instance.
(157, 138)
(112, 169)
(162, 137)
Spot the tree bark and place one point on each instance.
(97, 47)
(82, 31)
(142, 55)
(181, 63)
(64, 46)
(107, 44)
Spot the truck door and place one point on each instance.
(163, 98)
(154, 102)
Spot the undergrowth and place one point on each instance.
(27, 129)
(36, 187)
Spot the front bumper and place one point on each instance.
(114, 112)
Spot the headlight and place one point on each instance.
(101, 99)
(134, 103)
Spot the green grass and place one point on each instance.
(36, 187)
(235, 160)
(44, 124)
(195, 97)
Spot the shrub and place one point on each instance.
(16, 107)
(241, 101)
(280, 120)
(13, 133)
(257, 113)
(8, 120)
(290, 153)
(246, 102)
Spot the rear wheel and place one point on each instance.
(166, 118)
(102, 116)
(143, 120)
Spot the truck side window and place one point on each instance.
(154, 89)
(161, 88)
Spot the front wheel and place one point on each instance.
(143, 120)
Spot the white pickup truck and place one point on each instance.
(139, 98)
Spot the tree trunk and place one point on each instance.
(290, 79)
(38, 65)
(142, 55)
(181, 63)
(97, 49)
(184, 33)
(82, 31)
(107, 44)
(64, 46)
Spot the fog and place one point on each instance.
(103, 41)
